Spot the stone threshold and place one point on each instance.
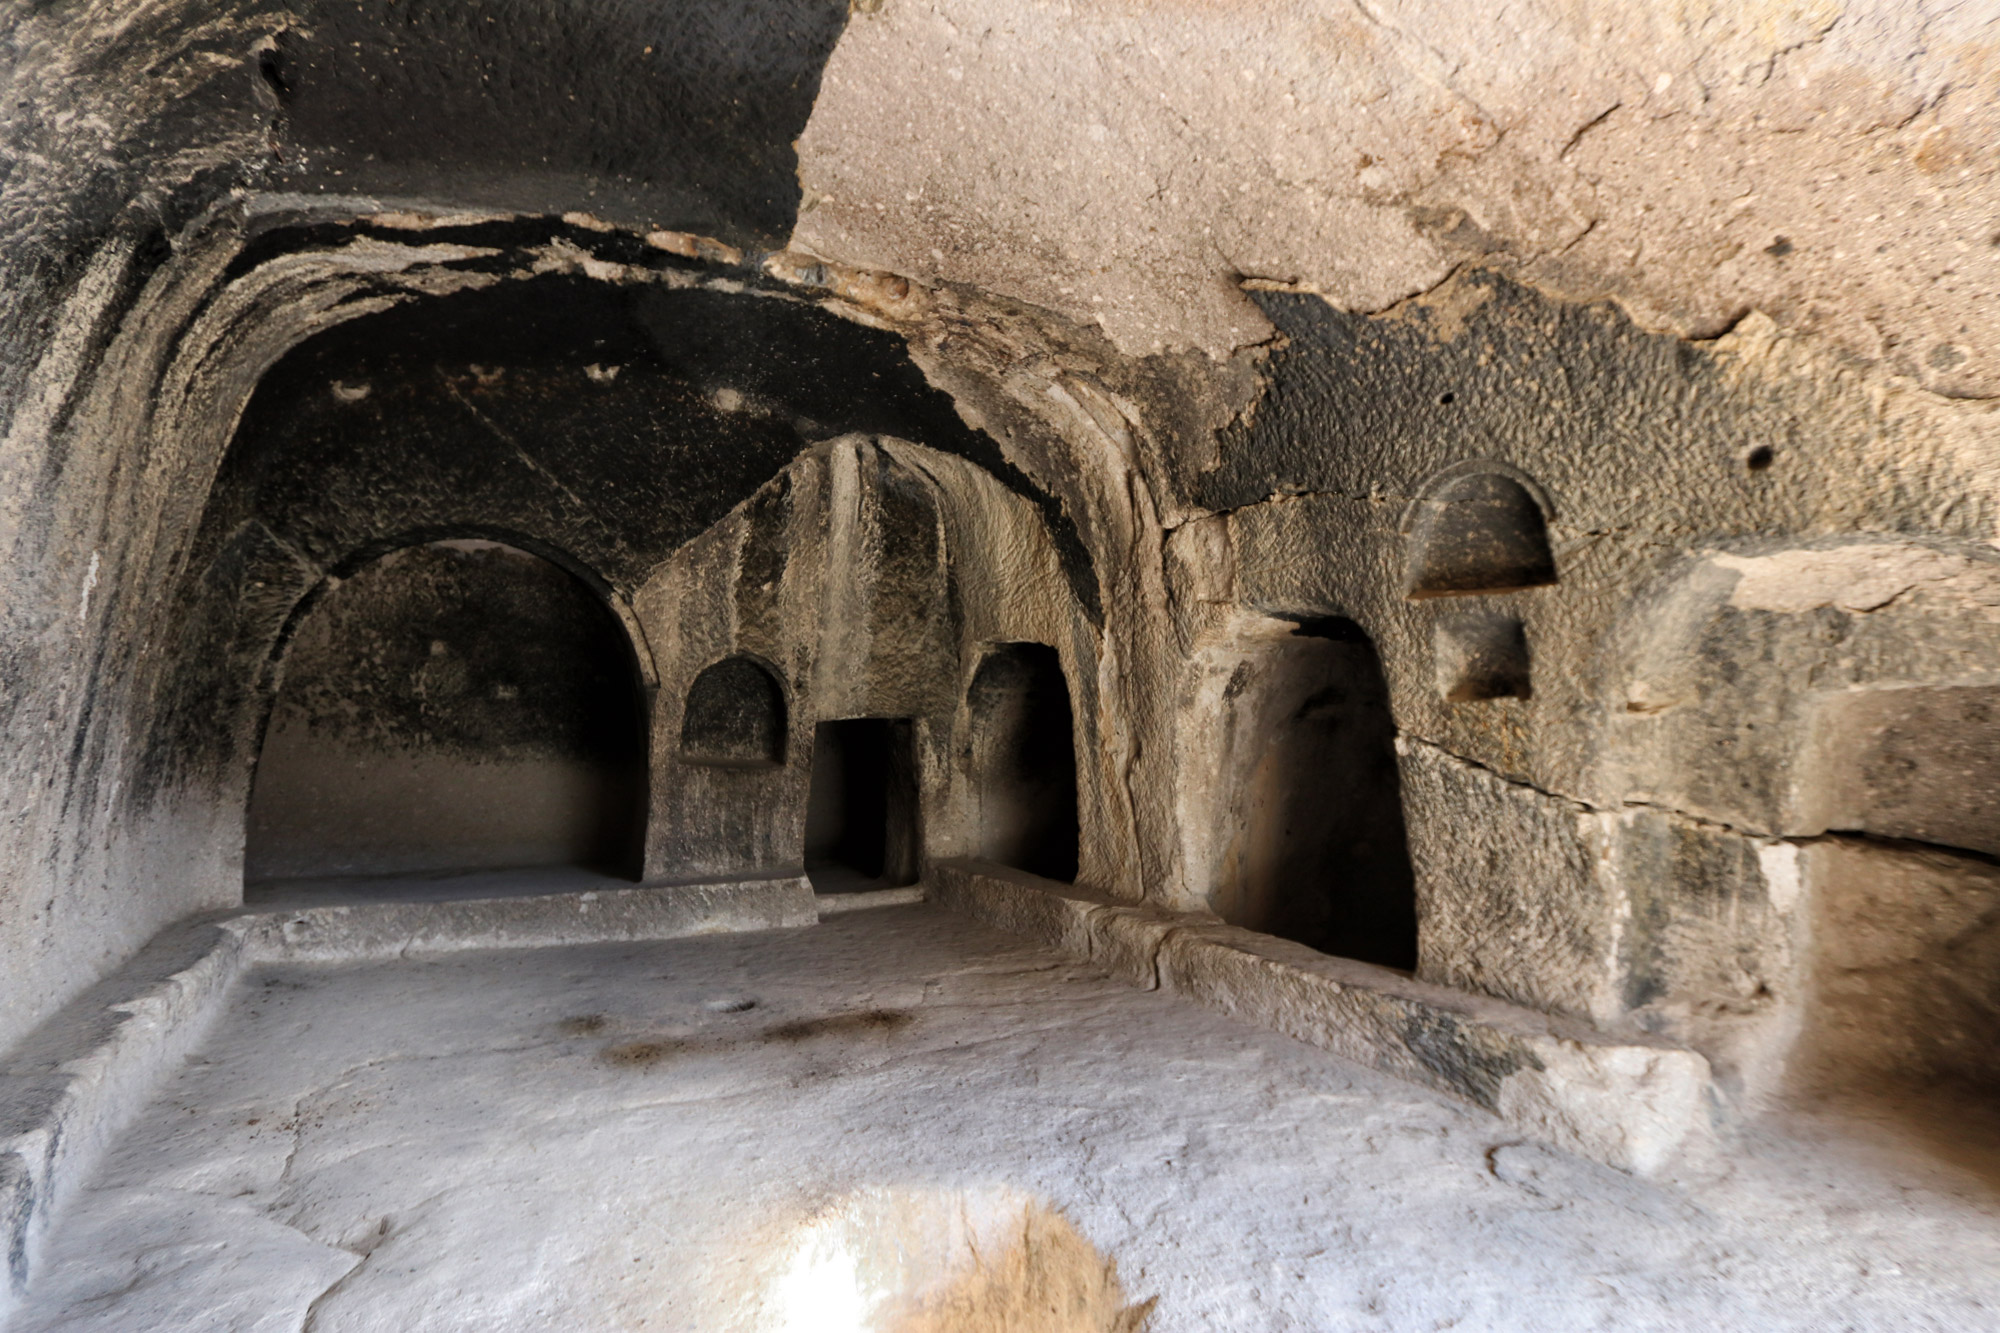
(72, 1085)
(358, 932)
(1634, 1105)
(834, 904)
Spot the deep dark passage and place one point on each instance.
(1326, 857)
(459, 705)
(861, 817)
(1024, 760)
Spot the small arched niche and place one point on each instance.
(455, 706)
(735, 716)
(1482, 528)
(1023, 750)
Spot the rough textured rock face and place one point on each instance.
(1829, 164)
(877, 579)
(1618, 380)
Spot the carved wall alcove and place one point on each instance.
(1022, 733)
(1478, 528)
(734, 715)
(1298, 829)
(454, 705)
(1811, 877)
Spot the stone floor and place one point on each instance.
(720, 1133)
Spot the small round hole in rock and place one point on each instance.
(1759, 458)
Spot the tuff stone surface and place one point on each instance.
(867, 340)
(1165, 1134)
(1827, 164)
(68, 1092)
(1636, 1107)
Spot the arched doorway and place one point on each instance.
(1024, 760)
(459, 705)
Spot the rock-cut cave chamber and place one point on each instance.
(939, 665)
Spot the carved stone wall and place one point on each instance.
(1622, 377)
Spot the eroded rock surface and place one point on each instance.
(613, 1136)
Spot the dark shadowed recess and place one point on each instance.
(1328, 840)
(1024, 760)
(680, 116)
(452, 706)
(862, 818)
(734, 716)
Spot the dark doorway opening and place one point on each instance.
(460, 706)
(1024, 760)
(862, 828)
(1323, 857)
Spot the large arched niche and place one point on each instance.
(1806, 740)
(453, 705)
(1291, 816)
(449, 382)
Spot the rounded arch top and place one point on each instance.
(367, 553)
(451, 704)
(735, 715)
(1021, 737)
(1478, 527)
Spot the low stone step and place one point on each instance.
(1633, 1105)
